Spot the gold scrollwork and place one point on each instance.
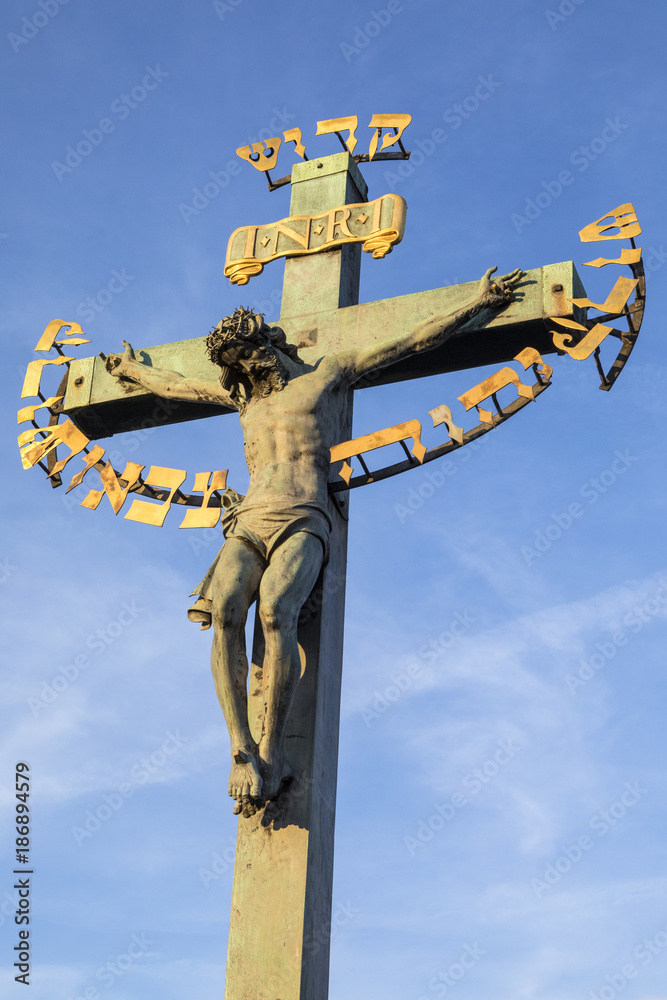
(241, 271)
(379, 225)
(382, 243)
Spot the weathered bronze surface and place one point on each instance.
(99, 406)
(292, 389)
(277, 536)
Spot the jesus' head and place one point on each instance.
(251, 355)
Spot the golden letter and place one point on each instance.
(33, 375)
(529, 356)
(334, 125)
(443, 415)
(399, 123)
(48, 338)
(205, 516)
(265, 153)
(584, 348)
(28, 412)
(616, 299)
(96, 455)
(294, 135)
(369, 442)
(111, 482)
(34, 449)
(333, 224)
(623, 217)
(627, 257)
(291, 234)
(490, 386)
(151, 513)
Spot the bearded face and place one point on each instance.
(249, 353)
(260, 364)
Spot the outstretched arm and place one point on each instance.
(493, 295)
(165, 383)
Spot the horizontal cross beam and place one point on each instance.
(101, 406)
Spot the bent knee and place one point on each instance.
(228, 613)
(277, 617)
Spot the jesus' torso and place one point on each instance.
(288, 434)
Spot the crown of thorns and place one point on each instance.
(245, 324)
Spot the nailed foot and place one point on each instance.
(275, 770)
(245, 782)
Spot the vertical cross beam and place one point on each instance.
(283, 876)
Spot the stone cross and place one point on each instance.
(282, 895)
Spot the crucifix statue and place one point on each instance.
(285, 541)
(277, 536)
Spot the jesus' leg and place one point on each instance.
(286, 584)
(234, 587)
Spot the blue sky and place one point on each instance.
(573, 780)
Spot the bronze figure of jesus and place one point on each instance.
(277, 536)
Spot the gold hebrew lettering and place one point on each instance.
(112, 486)
(33, 449)
(584, 348)
(152, 513)
(294, 135)
(529, 356)
(28, 412)
(369, 442)
(205, 516)
(623, 217)
(627, 257)
(490, 386)
(48, 338)
(33, 375)
(96, 455)
(616, 299)
(262, 155)
(398, 123)
(332, 125)
(443, 415)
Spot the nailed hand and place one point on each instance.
(118, 365)
(499, 291)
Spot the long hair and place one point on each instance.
(249, 326)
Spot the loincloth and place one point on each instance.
(266, 528)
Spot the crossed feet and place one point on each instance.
(257, 776)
